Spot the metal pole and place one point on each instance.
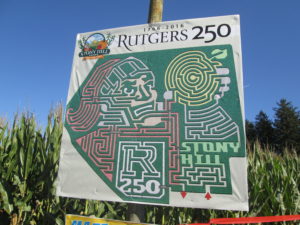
(136, 212)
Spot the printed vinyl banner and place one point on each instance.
(155, 116)
(83, 220)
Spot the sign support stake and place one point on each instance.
(137, 212)
(155, 11)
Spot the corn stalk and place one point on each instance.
(29, 164)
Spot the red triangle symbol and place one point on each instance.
(208, 196)
(183, 194)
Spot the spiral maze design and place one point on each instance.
(193, 78)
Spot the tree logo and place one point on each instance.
(95, 46)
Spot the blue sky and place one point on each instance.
(37, 40)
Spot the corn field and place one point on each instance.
(29, 158)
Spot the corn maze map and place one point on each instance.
(157, 124)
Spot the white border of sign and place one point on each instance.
(76, 178)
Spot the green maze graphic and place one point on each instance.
(137, 174)
(157, 122)
(193, 78)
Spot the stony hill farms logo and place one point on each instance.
(95, 46)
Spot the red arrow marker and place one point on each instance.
(183, 194)
(208, 196)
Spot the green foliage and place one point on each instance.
(273, 182)
(29, 165)
(250, 132)
(287, 126)
(280, 134)
(264, 129)
(29, 161)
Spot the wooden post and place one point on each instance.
(155, 11)
(136, 212)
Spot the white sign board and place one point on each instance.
(155, 116)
